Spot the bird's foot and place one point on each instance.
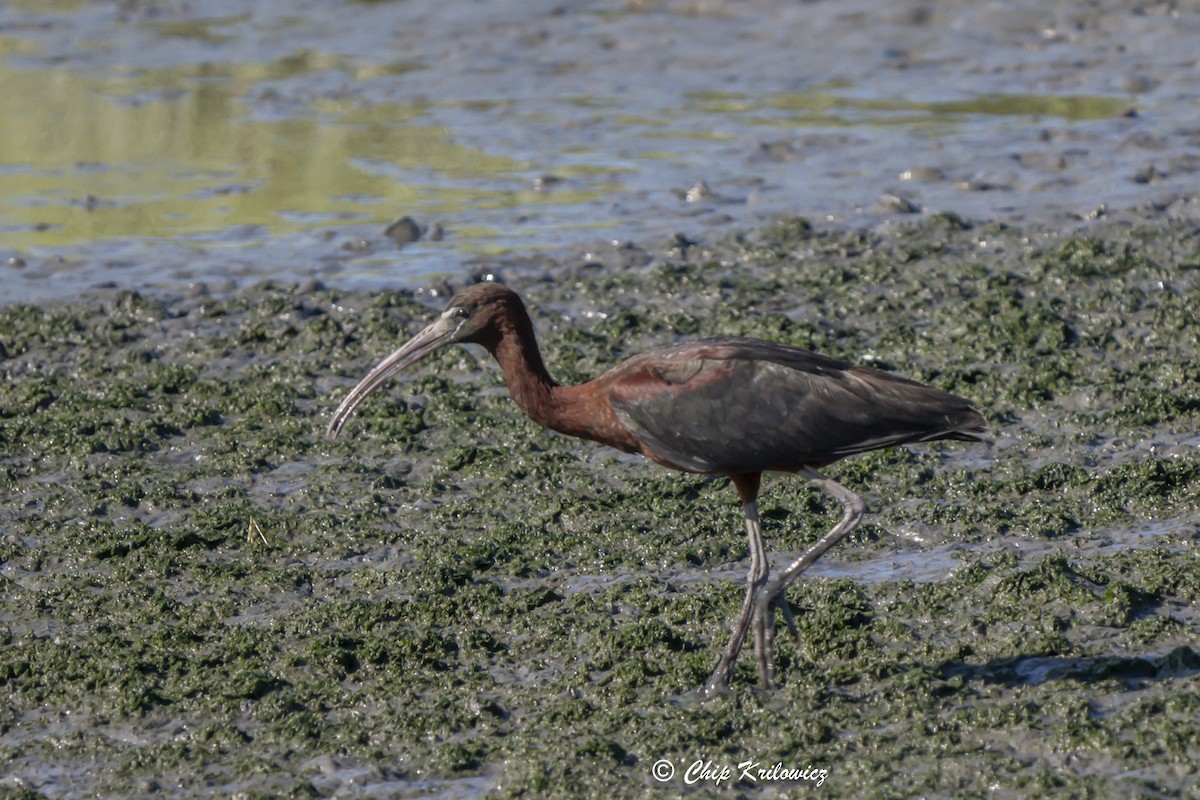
(718, 682)
(761, 607)
(773, 594)
(764, 639)
(765, 606)
(763, 629)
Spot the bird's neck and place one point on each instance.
(574, 410)
(528, 381)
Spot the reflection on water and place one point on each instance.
(200, 149)
(165, 153)
(820, 106)
(229, 142)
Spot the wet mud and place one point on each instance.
(199, 594)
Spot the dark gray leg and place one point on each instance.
(755, 581)
(771, 594)
(765, 595)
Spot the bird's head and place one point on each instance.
(474, 315)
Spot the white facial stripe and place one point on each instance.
(454, 312)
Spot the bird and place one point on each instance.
(730, 405)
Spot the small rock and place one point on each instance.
(403, 230)
(682, 243)
(922, 174)
(487, 276)
(698, 193)
(1150, 174)
(781, 150)
(894, 204)
(1139, 84)
(979, 185)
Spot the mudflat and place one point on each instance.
(200, 594)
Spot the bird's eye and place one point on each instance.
(460, 312)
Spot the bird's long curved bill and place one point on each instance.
(439, 334)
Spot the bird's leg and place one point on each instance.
(764, 629)
(755, 581)
(764, 633)
(764, 640)
(772, 593)
(782, 604)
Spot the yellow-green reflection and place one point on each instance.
(200, 29)
(12, 46)
(706, 136)
(821, 106)
(49, 5)
(175, 152)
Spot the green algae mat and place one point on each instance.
(201, 595)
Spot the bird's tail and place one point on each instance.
(964, 425)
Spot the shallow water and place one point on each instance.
(167, 145)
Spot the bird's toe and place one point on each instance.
(717, 685)
(782, 604)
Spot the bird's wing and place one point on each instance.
(743, 405)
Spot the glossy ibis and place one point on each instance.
(728, 405)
